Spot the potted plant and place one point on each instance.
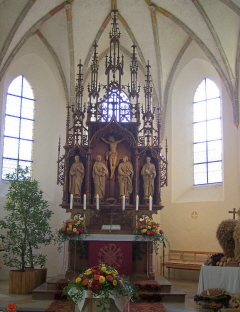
(27, 229)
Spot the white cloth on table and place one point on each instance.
(226, 278)
(120, 301)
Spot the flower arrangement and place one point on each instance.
(149, 230)
(11, 307)
(102, 281)
(74, 228)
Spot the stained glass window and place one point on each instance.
(19, 126)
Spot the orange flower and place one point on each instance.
(11, 307)
(85, 281)
(96, 277)
(109, 277)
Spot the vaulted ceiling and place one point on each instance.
(163, 31)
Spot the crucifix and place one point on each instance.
(233, 212)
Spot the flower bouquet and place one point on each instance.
(11, 307)
(73, 229)
(148, 230)
(103, 282)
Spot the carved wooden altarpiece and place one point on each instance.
(115, 125)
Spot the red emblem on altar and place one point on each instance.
(115, 254)
(111, 255)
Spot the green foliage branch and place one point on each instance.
(27, 224)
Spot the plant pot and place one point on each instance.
(41, 276)
(22, 282)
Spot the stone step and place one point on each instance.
(164, 291)
(47, 290)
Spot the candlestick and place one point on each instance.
(84, 202)
(137, 202)
(123, 202)
(150, 203)
(97, 202)
(71, 201)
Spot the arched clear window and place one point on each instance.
(19, 126)
(207, 134)
(116, 104)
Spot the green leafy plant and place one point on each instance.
(27, 224)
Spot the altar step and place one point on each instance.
(159, 290)
(162, 291)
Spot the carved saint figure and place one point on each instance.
(99, 174)
(149, 173)
(76, 177)
(111, 155)
(125, 175)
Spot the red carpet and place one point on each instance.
(68, 306)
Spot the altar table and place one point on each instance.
(226, 278)
(116, 303)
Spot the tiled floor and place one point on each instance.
(26, 301)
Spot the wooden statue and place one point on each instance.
(125, 175)
(76, 177)
(99, 174)
(149, 173)
(111, 155)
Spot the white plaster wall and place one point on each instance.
(38, 67)
(181, 198)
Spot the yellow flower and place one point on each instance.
(102, 279)
(144, 231)
(149, 227)
(74, 230)
(78, 279)
(103, 269)
(114, 282)
(88, 272)
(115, 272)
(68, 229)
(78, 222)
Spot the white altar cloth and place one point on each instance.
(120, 302)
(226, 278)
(110, 237)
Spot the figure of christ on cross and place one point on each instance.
(111, 155)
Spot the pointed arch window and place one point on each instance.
(19, 126)
(207, 134)
(117, 105)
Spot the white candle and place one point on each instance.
(123, 202)
(150, 203)
(71, 201)
(84, 202)
(137, 202)
(97, 202)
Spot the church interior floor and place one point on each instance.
(26, 301)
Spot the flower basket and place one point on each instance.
(149, 230)
(212, 298)
(103, 283)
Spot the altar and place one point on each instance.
(226, 278)
(130, 257)
(113, 168)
